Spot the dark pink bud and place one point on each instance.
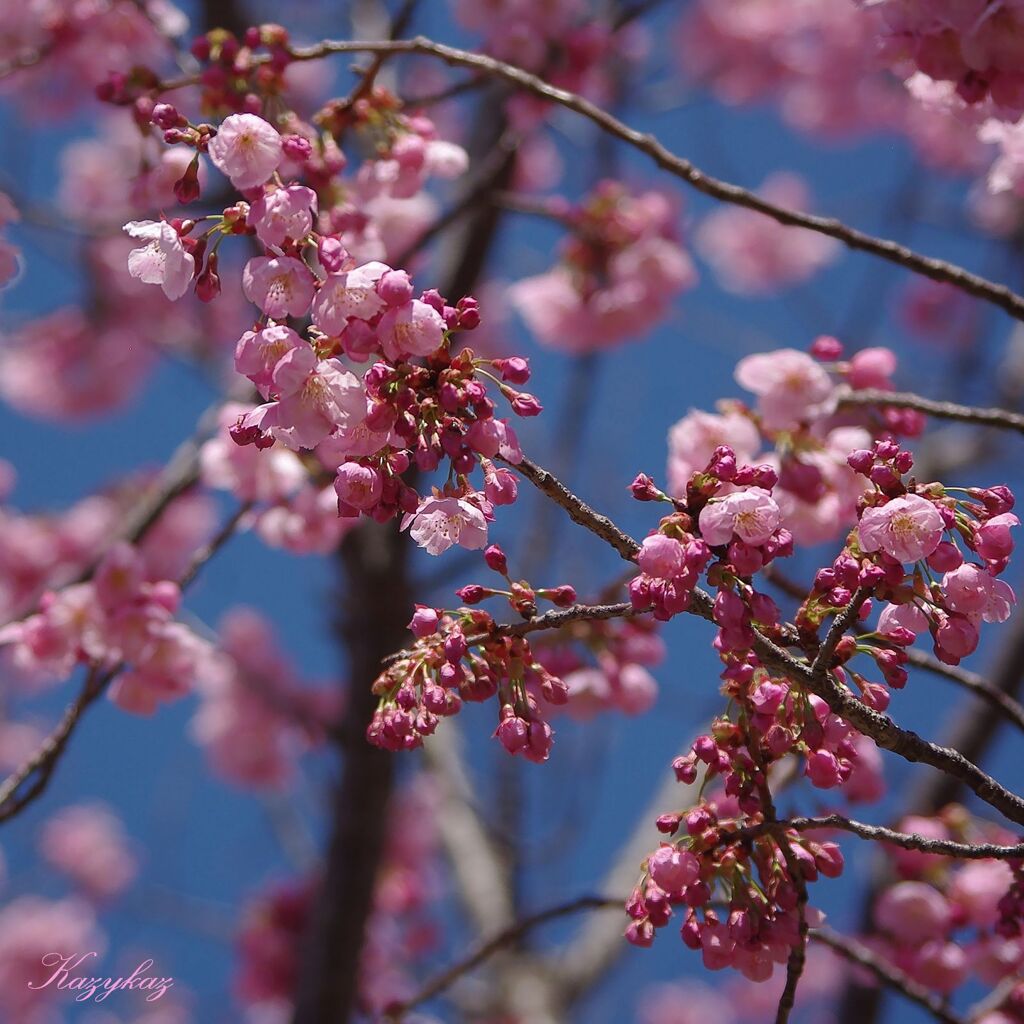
(473, 593)
(495, 559)
(424, 621)
(827, 349)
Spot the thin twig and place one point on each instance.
(1001, 418)
(555, 619)
(882, 729)
(857, 953)
(1011, 708)
(507, 937)
(937, 270)
(908, 841)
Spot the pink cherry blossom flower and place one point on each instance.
(673, 869)
(971, 590)
(912, 912)
(754, 255)
(902, 616)
(415, 328)
(284, 213)
(439, 523)
(992, 539)
(87, 842)
(693, 439)
(315, 397)
(281, 286)
(751, 514)
(907, 528)
(791, 387)
(258, 352)
(346, 295)
(358, 488)
(162, 260)
(661, 556)
(247, 149)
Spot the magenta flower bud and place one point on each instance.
(861, 461)
(827, 349)
(643, 488)
(468, 319)
(333, 255)
(705, 748)
(473, 593)
(432, 297)
(495, 559)
(501, 487)
(673, 869)
(208, 282)
(904, 462)
(640, 933)
(563, 596)
(358, 485)
(395, 288)
(512, 731)
(668, 824)
(524, 404)
(424, 621)
(296, 148)
(515, 370)
(883, 476)
(166, 116)
(186, 188)
(823, 769)
(685, 769)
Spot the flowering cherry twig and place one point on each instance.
(506, 937)
(554, 619)
(938, 270)
(1001, 418)
(882, 729)
(39, 768)
(942, 847)
(1009, 706)
(857, 953)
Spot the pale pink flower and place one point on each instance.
(977, 887)
(87, 842)
(972, 591)
(350, 294)
(414, 328)
(693, 439)
(913, 912)
(281, 286)
(792, 388)
(257, 353)
(284, 213)
(307, 524)
(752, 254)
(247, 149)
(751, 514)
(907, 528)
(315, 397)
(438, 523)
(162, 260)
(902, 616)
(30, 928)
(661, 556)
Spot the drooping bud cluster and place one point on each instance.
(462, 656)
(725, 858)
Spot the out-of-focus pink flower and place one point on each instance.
(693, 439)
(752, 254)
(87, 842)
(913, 912)
(791, 387)
(247, 149)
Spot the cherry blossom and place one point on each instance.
(247, 149)
(907, 528)
(163, 260)
(438, 523)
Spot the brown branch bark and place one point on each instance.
(1004, 419)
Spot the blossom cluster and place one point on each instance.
(117, 617)
(900, 523)
(255, 718)
(462, 656)
(619, 272)
(945, 922)
(796, 428)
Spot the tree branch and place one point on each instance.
(508, 937)
(1001, 418)
(937, 270)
